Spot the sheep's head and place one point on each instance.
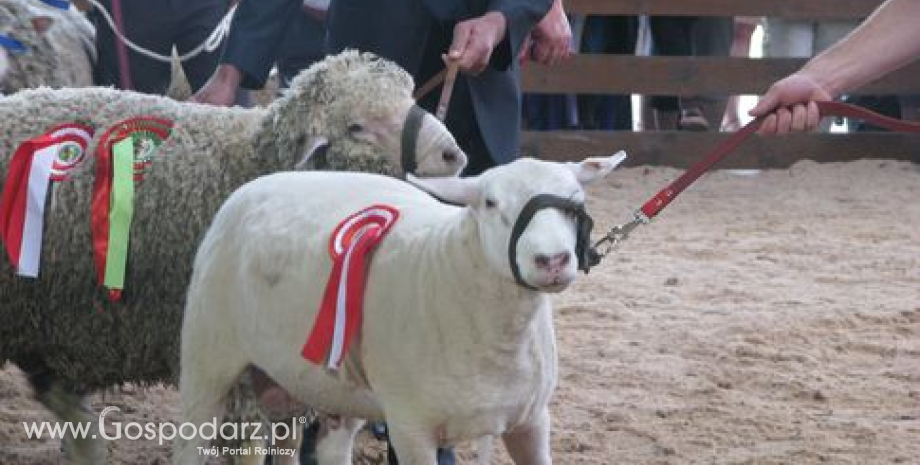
(22, 32)
(530, 216)
(349, 112)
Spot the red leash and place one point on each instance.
(653, 206)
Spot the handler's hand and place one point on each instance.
(475, 39)
(790, 105)
(221, 88)
(550, 41)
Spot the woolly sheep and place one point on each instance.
(59, 46)
(4, 64)
(87, 342)
(452, 346)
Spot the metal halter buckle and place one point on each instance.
(618, 234)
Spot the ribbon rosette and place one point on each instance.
(124, 151)
(339, 315)
(34, 167)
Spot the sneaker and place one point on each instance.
(692, 119)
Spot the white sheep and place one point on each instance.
(63, 330)
(457, 338)
(57, 46)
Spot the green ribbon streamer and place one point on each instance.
(120, 213)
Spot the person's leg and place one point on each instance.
(622, 34)
(785, 38)
(711, 37)
(741, 47)
(303, 45)
(671, 36)
(148, 25)
(461, 117)
(196, 21)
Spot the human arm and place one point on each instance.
(495, 38)
(551, 38)
(886, 41)
(257, 29)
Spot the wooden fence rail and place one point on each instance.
(619, 74)
(793, 9)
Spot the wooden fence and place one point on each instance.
(626, 74)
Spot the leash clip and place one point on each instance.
(619, 234)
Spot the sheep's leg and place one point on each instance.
(336, 440)
(529, 443)
(242, 407)
(291, 441)
(73, 408)
(68, 407)
(413, 446)
(203, 387)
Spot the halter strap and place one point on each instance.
(587, 256)
(409, 139)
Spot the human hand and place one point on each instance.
(82, 5)
(221, 87)
(550, 41)
(790, 105)
(316, 9)
(475, 39)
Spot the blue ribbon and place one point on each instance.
(12, 44)
(62, 4)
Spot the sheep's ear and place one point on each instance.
(316, 145)
(592, 169)
(41, 23)
(458, 191)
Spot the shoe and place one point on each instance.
(692, 119)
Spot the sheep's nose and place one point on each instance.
(552, 262)
(450, 157)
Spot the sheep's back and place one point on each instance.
(64, 317)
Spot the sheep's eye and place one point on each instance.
(355, 128)
(490, 203)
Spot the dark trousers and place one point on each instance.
(612, 35)
(461, 117)
(690, 36)
(158, 25)
(303, 44)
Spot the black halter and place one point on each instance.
(409, 138)
(587, 256)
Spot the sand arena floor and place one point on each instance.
(769, 318)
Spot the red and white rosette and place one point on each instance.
(339, 316)
(36, 164)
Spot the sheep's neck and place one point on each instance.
(501, 313)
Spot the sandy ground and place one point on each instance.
(769, 318)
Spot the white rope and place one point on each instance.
(209, 45)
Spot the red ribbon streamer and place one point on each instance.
(339, 316)
(14, 200)
(102, 187)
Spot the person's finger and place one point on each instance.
(768, 126)
(565, 51)
(568, 52)
(560, 54)
(552, 53)
(783, 120)
(542, 53)
(475, 57)
(524, 54)
(813, 116)
(799, 118)
(462, 33)
(766, 104)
